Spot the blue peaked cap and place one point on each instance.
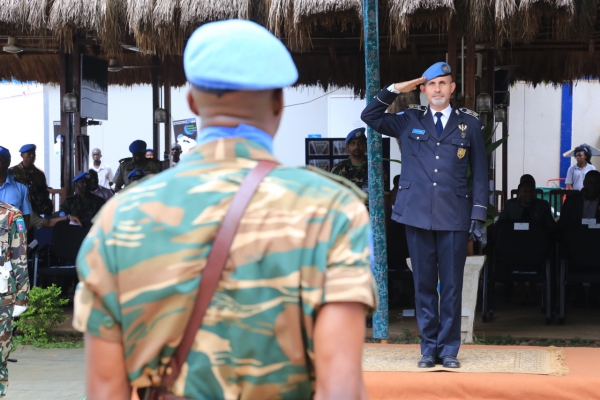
(137, 146)
(237, 55)
(81, 175)
(5, 153)
(436, 70)
(27, 147)
(356, 134)
(138, 172)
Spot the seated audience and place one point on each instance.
(84, 205)
(527, 208)
(98, 190)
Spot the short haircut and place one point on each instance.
(526, 183)
(591, 174)
(527, 178)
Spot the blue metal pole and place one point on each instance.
(566, 129)
(376, 205)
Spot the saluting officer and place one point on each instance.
(438, 144)
(137, 161)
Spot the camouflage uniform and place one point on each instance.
(302, 242)
(13, 242)
(358, 175)
(85, 211)
(35, 180)
(126, 165)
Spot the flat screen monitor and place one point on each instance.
(94, 87)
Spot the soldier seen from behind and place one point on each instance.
(12, 192)
(14, 280)
(287, 318)
(138, 159)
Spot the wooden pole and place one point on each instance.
(470, 65)
(452, 48)
(155, 105)
(167, 105)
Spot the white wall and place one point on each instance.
(586, 111)
(22, 120)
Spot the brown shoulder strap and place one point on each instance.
(214, 266)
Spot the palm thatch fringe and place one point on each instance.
(281, 23)
(505, 20)
(194, 12)
(406, 14)
(557, 67)
(139, 18)
(479, 16)
(113, 26)
(14, 12)
(560, 12)
(37, 17)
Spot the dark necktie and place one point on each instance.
(438, 125)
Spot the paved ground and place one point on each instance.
(43, 374)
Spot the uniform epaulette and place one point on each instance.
(341, 180)
(122, 160)
(469, 112)
(416, 107)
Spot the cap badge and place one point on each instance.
(357, 134)
(445, 69)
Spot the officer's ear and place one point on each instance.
(277, 102)
(452, 86)
(192, 103)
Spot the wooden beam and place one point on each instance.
(155, 105)
(470, 65)
(167, 105)
(451, 50)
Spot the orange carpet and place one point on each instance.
(582, 382)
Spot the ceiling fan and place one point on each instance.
(12, 48)
(114, 66)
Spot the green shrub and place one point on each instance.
(43, 314)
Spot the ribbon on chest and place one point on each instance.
(462, 151)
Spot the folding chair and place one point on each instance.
(518, 255)
(64, 246)
(579, 260)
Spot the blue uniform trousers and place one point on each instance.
(433, 254)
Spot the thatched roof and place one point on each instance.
(324, 35)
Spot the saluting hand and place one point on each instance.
(409, 86)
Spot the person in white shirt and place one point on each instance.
(105, 173)
(576, 173)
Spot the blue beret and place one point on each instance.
(356, 134)
(27, 147)
(137, 146)
(81, 175)
(149, 149)
(138, 172)
(5, 153)
(436, 70)
(237, 55)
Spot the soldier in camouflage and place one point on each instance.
(137, 161)
(29, 175)
(287, 319)
(14, 280)
(355, 168)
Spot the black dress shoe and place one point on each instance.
(427, 362)
(450, 362)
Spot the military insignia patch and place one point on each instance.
(20, 223)
(461, 152)
(446, 68)
(462, 128)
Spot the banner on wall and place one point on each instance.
(185, 132)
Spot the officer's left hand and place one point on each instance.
(476, 230)
(18, 310)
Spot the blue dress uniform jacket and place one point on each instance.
(433, 192)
